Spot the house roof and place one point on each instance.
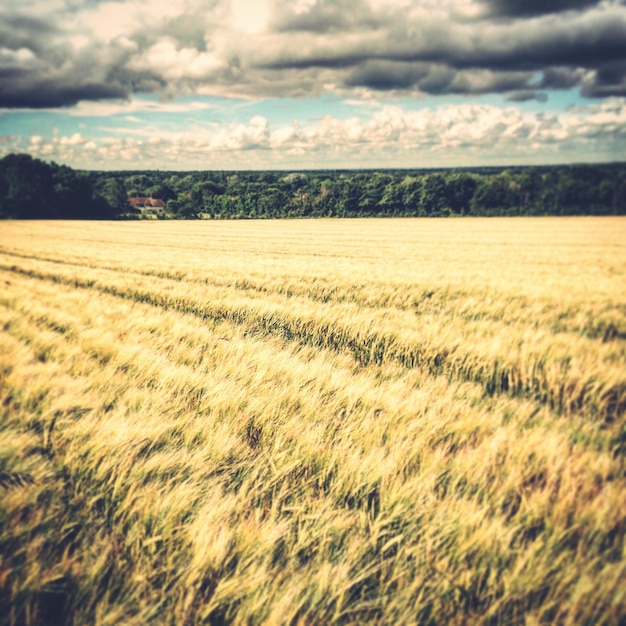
(143, 202)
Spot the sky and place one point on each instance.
(312, 84)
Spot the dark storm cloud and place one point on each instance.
(562, 50)
(442, 81)
(19, 31)
(40, 69)
(527, 8)
(608, 80)
(519, 48)
(581, 43)
(561, 78)
(56, 87)
(54, 94)
(382, 75)
(526, 95)
(34, 64)
(434, 79)
(528, 47)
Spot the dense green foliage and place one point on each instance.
(33, 189)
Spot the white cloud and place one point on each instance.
(21, 56)
(391, 136)
(175, 63)
(74, 140)
(251, 17)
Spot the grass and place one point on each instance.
(342, 422)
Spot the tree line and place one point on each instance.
(34, 189)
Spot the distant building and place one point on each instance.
(142, 203)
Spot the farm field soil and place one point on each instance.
(313, 422)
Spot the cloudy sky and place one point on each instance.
(290, 84)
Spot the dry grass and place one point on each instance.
(383, 421)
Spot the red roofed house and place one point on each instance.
(146, 203)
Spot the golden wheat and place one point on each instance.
(369, 421)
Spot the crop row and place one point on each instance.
(595, 320)
(566, 372)
(243, 477)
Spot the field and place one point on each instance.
(313, 422)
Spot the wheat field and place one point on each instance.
(313, 422)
